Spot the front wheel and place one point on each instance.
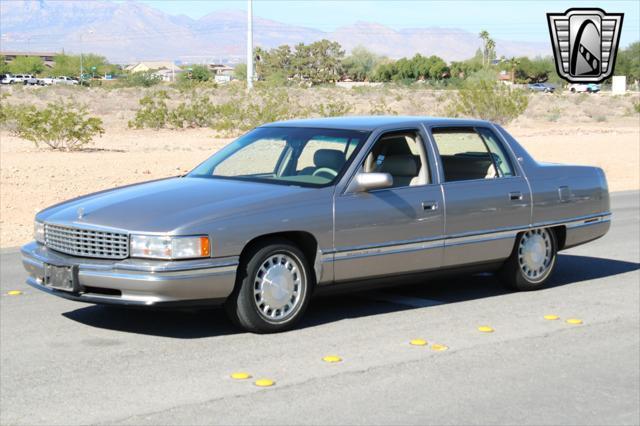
(273, 288)
(532, 261)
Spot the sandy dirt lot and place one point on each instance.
(32, 179)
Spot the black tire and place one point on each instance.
(242, 305)
(513, 272)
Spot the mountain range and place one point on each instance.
(130, 31)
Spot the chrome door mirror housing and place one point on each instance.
(364, 182)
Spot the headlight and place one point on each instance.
(38, 231)
(166, 247)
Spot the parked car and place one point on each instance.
(8, 79)
(19, 79)
(584, 88)
(300, 207)
(542, 87)
(66, 80)
(47, 81)
(29, 79)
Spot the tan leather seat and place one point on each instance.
(403, 168)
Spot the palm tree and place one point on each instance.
(490, 46)
(513, 64)
(484, 36)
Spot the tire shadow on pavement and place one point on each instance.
(203, 323)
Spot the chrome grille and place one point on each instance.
(86, 242)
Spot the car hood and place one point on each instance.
(172, 205)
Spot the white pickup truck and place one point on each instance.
(47, 81)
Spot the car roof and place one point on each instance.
(374, 122)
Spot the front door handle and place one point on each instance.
(430, 205)
(515, 196)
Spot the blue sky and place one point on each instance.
(509, 20)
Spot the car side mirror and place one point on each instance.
(364, 182)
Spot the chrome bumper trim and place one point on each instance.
(131, 264)
(135, 284)
(107, 300)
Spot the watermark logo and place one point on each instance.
(585, 43)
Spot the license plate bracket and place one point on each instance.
(61, 277)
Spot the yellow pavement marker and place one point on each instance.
(264, 383)
(14, 292)
(438, 347)
(485, 329)
(574, 321)
(332, 358)
(551, 317)
(240, 375)
(418, 342)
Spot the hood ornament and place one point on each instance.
(80, 212)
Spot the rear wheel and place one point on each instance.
(532, 261)
(272, 289)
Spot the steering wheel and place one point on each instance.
(326, 170)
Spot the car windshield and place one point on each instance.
(285, 155)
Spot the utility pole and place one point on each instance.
(81, 67)
(81, 55)
(250, 45)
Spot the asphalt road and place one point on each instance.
(69, 363)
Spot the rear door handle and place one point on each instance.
(429, 205)
(515, 196)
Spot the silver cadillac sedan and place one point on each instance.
(296, 207)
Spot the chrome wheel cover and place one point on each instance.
(278, 287)
(535, 255)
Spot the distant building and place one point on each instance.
(47, 57)
(220, 69)
(168, 75)
(151, 66)
(505, 77)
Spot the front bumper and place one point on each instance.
(136, 282)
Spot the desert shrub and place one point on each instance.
(636, 107)
(5, 110)
(380, 107)
(333, 108)
(60, 126)
(489, 100)
(241, 112)
(153, 112)
(196, 73)
(600, 118)
(554, 114)
(186, 85)
(580, 98)
(141, 79)
(198, 112)
(245, 112)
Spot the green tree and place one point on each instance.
(26, 65)
(240, 72)
(200, 73)
(628, 62)
(534, 70)
(318, 62)
(69, 65)
(361, 64)
(4, 67)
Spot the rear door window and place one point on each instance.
(467, 153)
